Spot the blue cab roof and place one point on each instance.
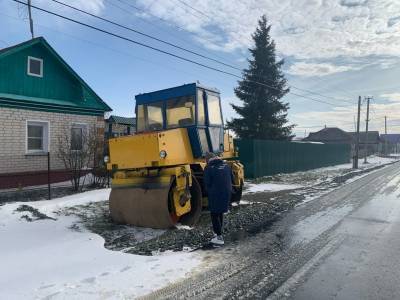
(174, 92)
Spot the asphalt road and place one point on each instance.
(364, 259)
(344, 245)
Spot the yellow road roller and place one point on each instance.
(157, 173)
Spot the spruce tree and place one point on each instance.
(263, 114)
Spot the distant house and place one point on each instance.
(370, 142)
(119, 126)
(329, 135)
(334, 135)
(390, 143)
(41, 98)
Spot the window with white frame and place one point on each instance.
(37, 136)
(78, 133)
(35, 66)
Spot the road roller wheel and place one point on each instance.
(153, 207)
(193, 215)
(237, 194)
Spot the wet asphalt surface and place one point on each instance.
(365, 261)
(342, 245)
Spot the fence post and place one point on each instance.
(48, 174)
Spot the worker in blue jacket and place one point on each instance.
(218, 183)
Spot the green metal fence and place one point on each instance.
(262, 158)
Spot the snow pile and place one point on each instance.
(47, 259)
(376, 160)
(372, 160)
(269, 187)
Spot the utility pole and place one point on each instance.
(30, 18)
(355, 159)
(366, 131)
(385, 135)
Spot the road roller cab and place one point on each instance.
(192, 106)
(158, 172)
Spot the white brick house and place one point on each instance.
(41, 98)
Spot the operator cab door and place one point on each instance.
(209, 121)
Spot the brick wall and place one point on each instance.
(13, 156)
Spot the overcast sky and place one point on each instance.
(335, 50)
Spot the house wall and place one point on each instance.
(13, 156)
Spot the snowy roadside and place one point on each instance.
(48, 257)
(325, 178)
(61, 248)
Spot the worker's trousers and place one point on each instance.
(217, 222)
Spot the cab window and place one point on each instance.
(141, 122)
(201, 117)
(150, 117)
(214, 109)
(155, 116)
(180, 112)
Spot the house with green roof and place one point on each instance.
(41, 97)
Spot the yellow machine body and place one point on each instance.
(143, 150)
(144, 185)
(157, 180)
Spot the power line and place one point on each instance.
(315, 79)
(322, 126)
(195, 9)
(164, 52)
(144, 34)
(319, 94)
(130, 40)
(230, 65)
(164, 21)
(149, 13)
(207, 16)
(292, 86)
(239, 69)
(304, 90)
(155, 63)
(146, 11)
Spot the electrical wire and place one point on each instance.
(196, 10)
(181, 48)
(148, 61)
(143, 34)
(210, 18)
(204, 14)
(207, 16)
(164, 52)
(147, 12)
(184, 49)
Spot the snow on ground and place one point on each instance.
(297, 180)
(269, 187)
(372, 161)
(376, 160)
(46, 259)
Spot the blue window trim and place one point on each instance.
(181, 91)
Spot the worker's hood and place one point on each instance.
(215, 161)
